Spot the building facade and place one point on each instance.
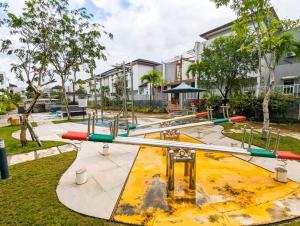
(4, 82)
(140, 67)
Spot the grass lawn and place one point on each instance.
(66, 120)
(29, 198)
(286, 143)
(13, 146)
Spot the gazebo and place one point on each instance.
(180, 89)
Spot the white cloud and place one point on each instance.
(160, 29)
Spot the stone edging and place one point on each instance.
(19, 158)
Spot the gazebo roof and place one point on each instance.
(184, 88)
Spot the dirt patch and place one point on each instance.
(156, 195)
(213, 156)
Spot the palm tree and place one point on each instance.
(194, 69)
(153, 77)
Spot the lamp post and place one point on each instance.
(3, 161)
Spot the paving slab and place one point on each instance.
(19, 158)
(106, 178)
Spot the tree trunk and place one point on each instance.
(26, 114)
(66, 99)
(95, 93)
(23, 137)
(74, 82)
(74, 92)
(267, 97)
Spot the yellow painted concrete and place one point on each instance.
(229, 191)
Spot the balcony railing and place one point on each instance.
(289, 89)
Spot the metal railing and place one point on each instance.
(289, 89)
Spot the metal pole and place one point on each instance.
(227, 111)
(250, 138)
(89, 124)
(223, 109)
(277, 141)
(127, 125)
(95, 93)
(269, 138)
(186, 168)
(244, 137)
(171, 170)
(193, 170)
(3, 161)
(93, 125)
(101, 99)
(132, 94)
(124, 91)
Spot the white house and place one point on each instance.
(139, 68)
(4, 82)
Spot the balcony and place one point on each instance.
(289, 89)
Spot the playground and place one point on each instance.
(180, 171)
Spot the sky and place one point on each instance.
(156, 30)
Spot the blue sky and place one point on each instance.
(152, 29)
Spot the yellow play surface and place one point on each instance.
(229, 191)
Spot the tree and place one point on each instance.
(224, 65)
(29, 44)
(66, 52)
(154, 78)
(105, 90)
(92, 48)
(270, 39)
(119, 88)
(15, 98)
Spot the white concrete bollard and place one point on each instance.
(280, 174)
(105, 150)
(81, 176)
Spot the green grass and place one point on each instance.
(66, 120)
(29, 198)
(13, 146)
(286, 143)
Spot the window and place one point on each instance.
(288, 86)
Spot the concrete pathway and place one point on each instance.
(19, 158)
(106, 178)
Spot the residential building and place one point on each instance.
(4, 82)
(139, 68)
(15, 89)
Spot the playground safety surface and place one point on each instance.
(229, 191)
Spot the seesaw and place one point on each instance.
(114, 137)
(197, 115)
(189, 125)
(184, 152)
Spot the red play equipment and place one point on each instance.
(72, 135)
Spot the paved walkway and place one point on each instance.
(106, 178)
(19, 158)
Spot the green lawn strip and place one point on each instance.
(29, 198)
(66, 120)
(286, 143)
(13, 146)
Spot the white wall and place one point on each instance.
(4, 82)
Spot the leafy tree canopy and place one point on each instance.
(224, 65)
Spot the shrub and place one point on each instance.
(251, 106)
